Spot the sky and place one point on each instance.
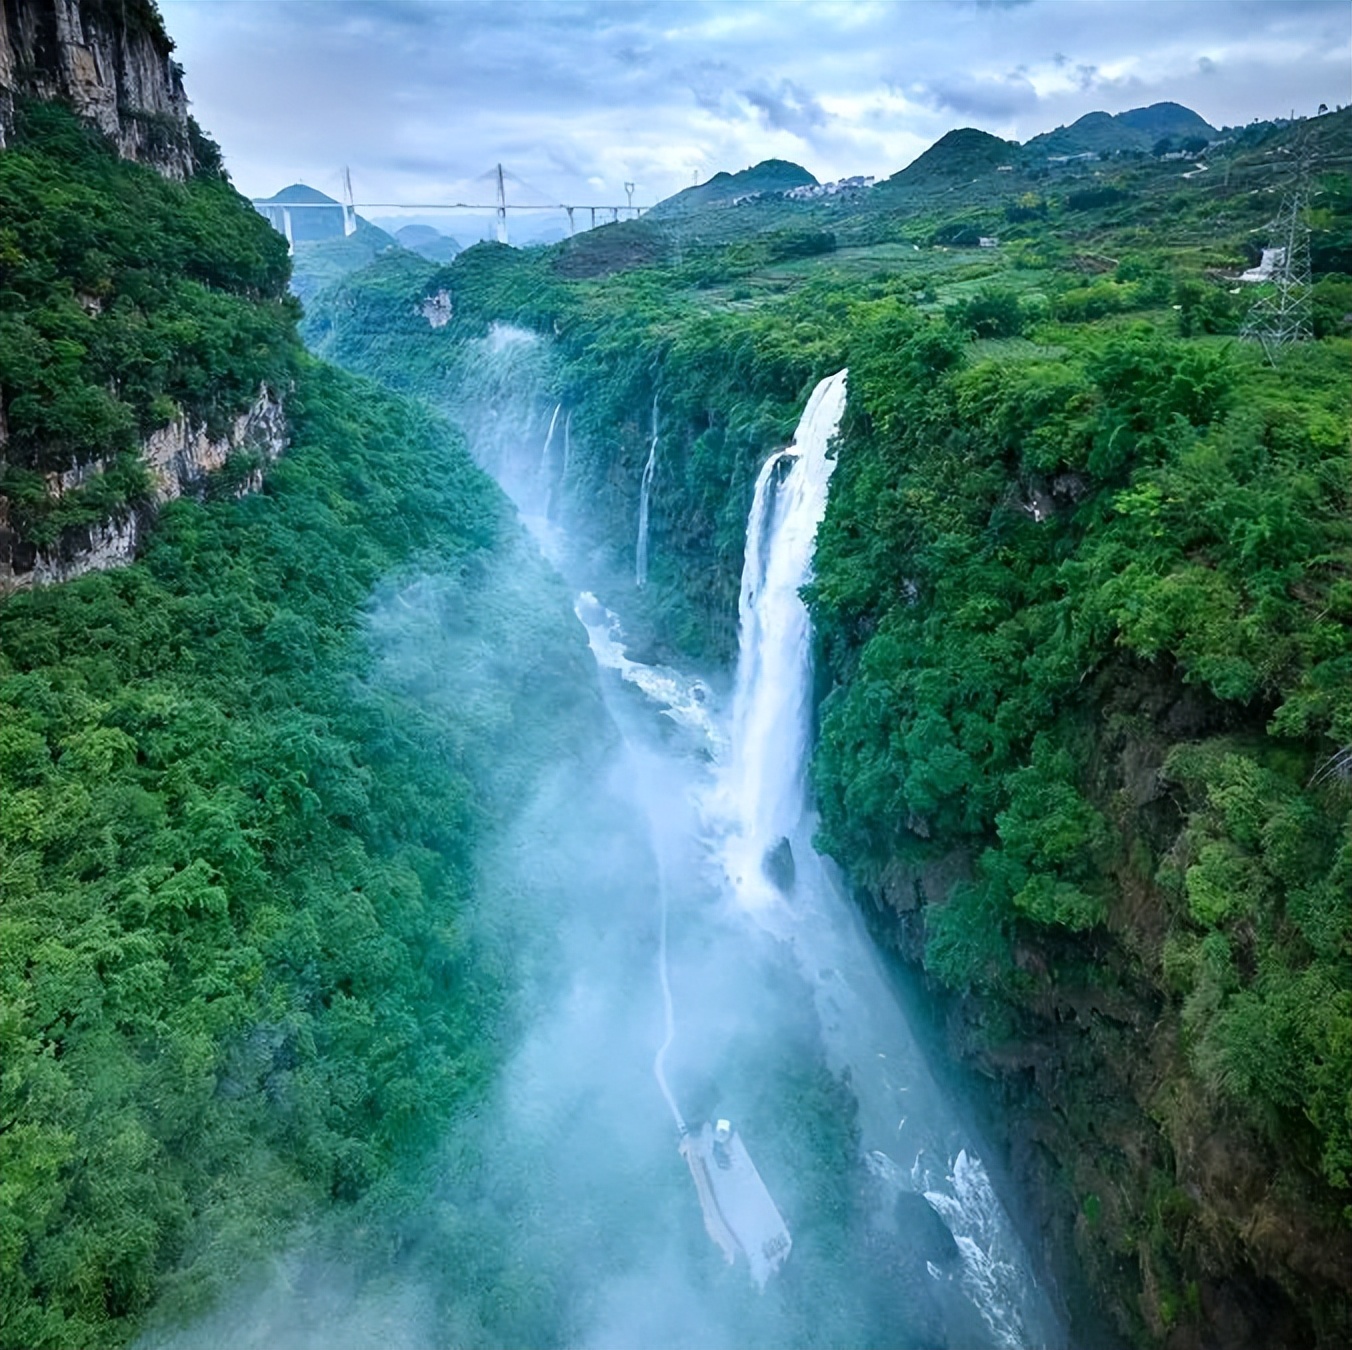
(578, 97)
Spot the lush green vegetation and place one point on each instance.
(1083, 598)
(236, 857)
(1035, 572)
(124, 299)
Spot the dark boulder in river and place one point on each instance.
(778, 865)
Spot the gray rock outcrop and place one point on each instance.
(180, 457)
(111, 61)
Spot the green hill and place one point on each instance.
(957, 156)
(770, 175)
(1137, 130)
(1166, 119)
(430, 243)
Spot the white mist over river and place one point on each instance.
(678, 979)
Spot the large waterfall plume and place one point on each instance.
(763, 787)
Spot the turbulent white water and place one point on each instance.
(644, 500)
(685, 699)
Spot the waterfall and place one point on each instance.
(644, 495)
(567, 445)
(772, 705)
(546, 483)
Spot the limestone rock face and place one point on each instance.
(437, 309)
(111, 62)
(180, 458)
(181, 455)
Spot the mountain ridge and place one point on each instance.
(770, 175)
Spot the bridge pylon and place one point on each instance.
(349, 211)
(502, 208)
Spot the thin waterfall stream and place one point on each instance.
(546, 462)
(668, 1011)
(644, 507)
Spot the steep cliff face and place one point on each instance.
(145, 332)
(1173, 1218)
(1112, 829)
(180, 459)
(111, 62)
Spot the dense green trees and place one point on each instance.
(1014, 550)
(235, 855)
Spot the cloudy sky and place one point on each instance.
(578, 96)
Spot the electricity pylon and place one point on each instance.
(1283, 316)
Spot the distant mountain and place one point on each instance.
(302, 193)
(957, 156)
(430, 243)
(1105, 134)
(312, 222)
(770, 175)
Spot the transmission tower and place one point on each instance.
(1283, 316)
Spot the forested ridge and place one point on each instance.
(242, 980)
(126, 300)
(1083, 603)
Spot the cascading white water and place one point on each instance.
(644, 496)
(772, 714)
(762, 801)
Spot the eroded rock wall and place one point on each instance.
(180, 457)
(111, 61)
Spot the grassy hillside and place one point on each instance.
(770, 175)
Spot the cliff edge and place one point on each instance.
(110, 60)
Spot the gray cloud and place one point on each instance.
(995, 99)
(788, 108)
(418, 94)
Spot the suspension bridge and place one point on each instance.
(493, 184)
